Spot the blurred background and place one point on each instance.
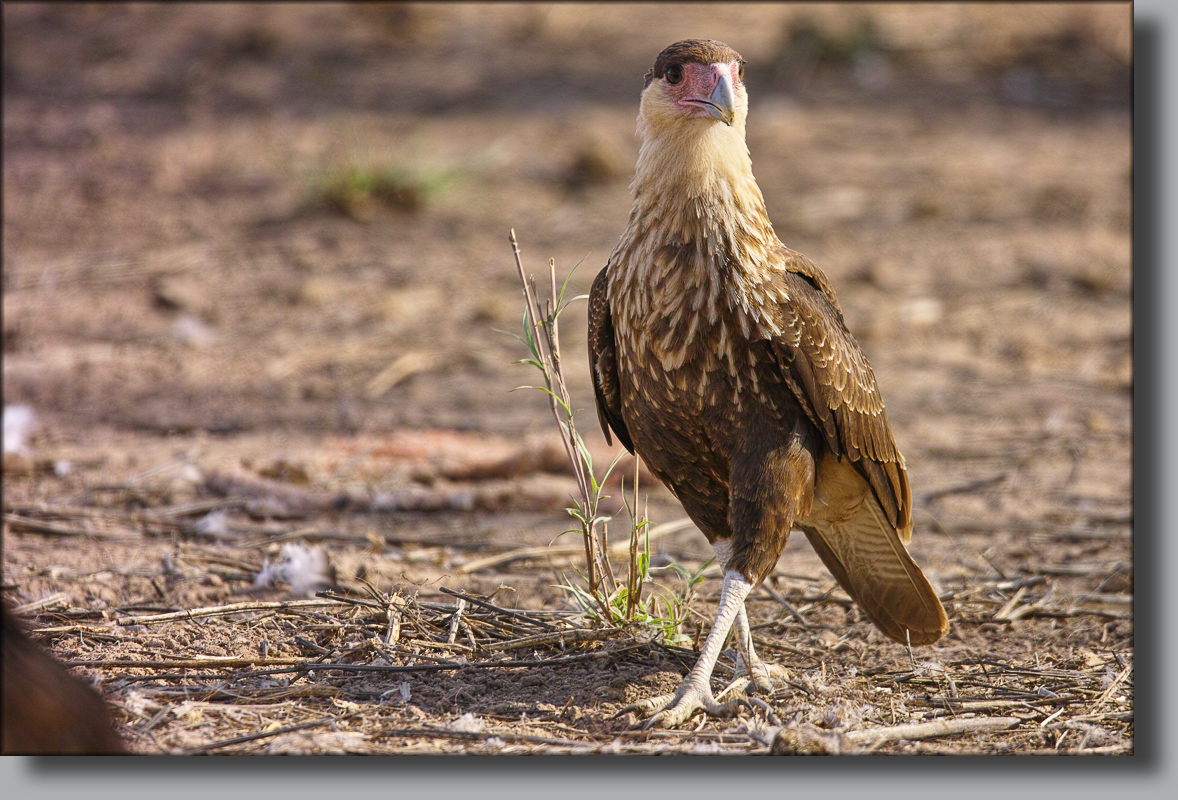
(229, 218)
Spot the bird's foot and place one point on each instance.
(672, 710)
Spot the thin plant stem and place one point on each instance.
(544, 333)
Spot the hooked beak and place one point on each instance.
(721, 103)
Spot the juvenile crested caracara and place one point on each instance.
(721, 357)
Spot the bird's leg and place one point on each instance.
(748, 665)
(695, 692)
(771, 484)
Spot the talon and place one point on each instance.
(625, 710)
(770, 716)
(651, 705)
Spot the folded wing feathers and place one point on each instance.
(603, 363)
(831, 378)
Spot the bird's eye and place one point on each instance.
(740, 71)
(674, 74)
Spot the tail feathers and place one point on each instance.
(864, 553)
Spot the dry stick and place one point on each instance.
(478, 736)
(520, 554)
(960, 706)
(461, 648)
(1079, 570)
(1020, 583)
(497, 630)
(91, 629)
(654, 733)
(1057, 613)
(245, 695)
(455, 620)
(223, 662)
(1010, 605)
(19, 523)
(168, 515)
(1051, 719)
(543, 342)
(785, 604)
(469, 635)
(1104, 698)
(58, 599)
(560, 637)
(216, 611)
(1038, 531)
(253, 737)
(524, 553)
(801, 740)
(393, 633)
(985, 483)
(505, 611)
(1108, 750)
(328, 594)
(1030, 609)
(1096, 598)
(442, 667)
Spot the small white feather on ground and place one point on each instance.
(19, 424)
(307, 569)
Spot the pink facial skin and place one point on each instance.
(706, 90)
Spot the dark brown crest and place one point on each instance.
(691, 51)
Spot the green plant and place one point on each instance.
(603, 597)
(662, 611)
(542, 337)
(358, 190)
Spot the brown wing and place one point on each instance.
(828, 373)
(603, 363)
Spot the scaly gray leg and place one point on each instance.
(747, 663)
(695, 692)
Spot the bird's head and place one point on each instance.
(696, 80)
(692, 124)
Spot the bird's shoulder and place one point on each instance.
(807, 280)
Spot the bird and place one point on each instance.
(722, 358)
(46, 710)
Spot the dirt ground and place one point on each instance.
(256, 282)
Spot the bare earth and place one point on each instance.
(227, 353)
